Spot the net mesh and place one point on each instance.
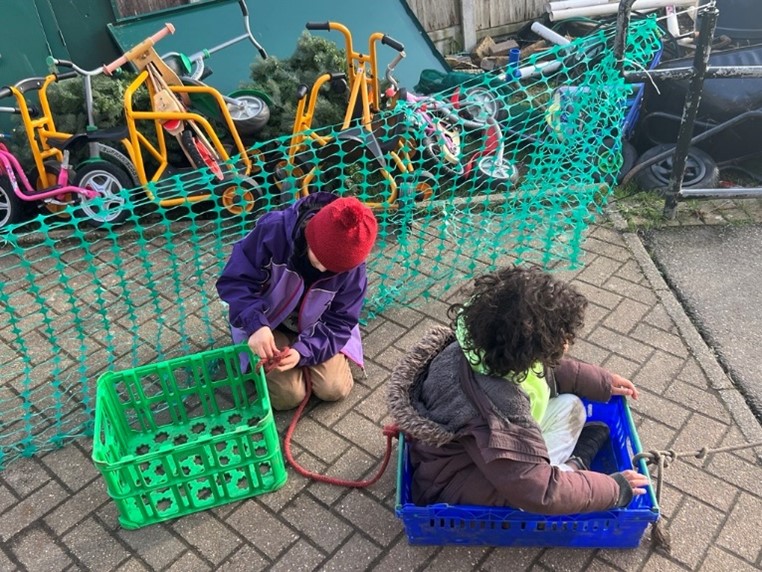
(461, 181)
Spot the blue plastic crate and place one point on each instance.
(482, 525)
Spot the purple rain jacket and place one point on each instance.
(262, 288)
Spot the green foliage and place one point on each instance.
(280, 78)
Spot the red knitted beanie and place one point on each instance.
(341, 234)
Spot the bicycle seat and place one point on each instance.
(76, 141)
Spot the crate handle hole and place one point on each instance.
(180, 440)
(235, 419)
(161, 437)
(198, 428)
(142, 449)
(218, 430)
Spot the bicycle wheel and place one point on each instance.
(200, 155)
(12, 208)
(241, 197)
(249, 113)
(112, 184)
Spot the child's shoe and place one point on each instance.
(591, 440)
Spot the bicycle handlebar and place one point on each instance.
(318, 26)
(392, 43)
(147, 43)
(53, 62)
(66, 75)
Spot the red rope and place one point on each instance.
(390, 431)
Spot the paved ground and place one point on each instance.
(55, 514)
(715, 271)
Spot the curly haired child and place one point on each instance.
(492, 406)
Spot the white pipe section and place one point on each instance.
(607, 9)
(564, 4)
(537, 69)
(550, 35)
(672, 24)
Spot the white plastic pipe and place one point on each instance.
(564, 4)
(672, 24)
(537, 69)
(550, 35)
(607, 9)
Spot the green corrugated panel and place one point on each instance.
(277, 26)
(83, 25)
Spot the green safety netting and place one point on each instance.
(491, 170)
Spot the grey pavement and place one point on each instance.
(716, 271)
(55, 513)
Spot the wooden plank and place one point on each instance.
(136, 7)
(436, 14)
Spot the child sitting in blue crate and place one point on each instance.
(491, 407)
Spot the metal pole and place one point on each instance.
(622, 25)
(692, 100)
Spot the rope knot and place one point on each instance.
(391, 430)
(702, 453)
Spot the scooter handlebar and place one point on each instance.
(318, 26)
(392, 43)
(109, 69)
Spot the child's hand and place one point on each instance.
(288, 360)
(622, 386)
(637, 481)
(262, 343)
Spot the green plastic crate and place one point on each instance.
(184, 435)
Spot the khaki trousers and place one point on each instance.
(331, 380)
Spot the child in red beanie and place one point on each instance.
(298, 281)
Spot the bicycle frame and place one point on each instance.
(362, 73)
(145, 58)
(11, 168)
(42, 129)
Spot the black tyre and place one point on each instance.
(629, 158)
(249, 113)
(201, 157)
(113, 185)
(12, 208)
(241, 196)
(700, 170)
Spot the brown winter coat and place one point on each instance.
(486, 449)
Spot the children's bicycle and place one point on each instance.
(171, 115)
(366, 137)
(48, 147)
(15, 189)
(248, 108)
